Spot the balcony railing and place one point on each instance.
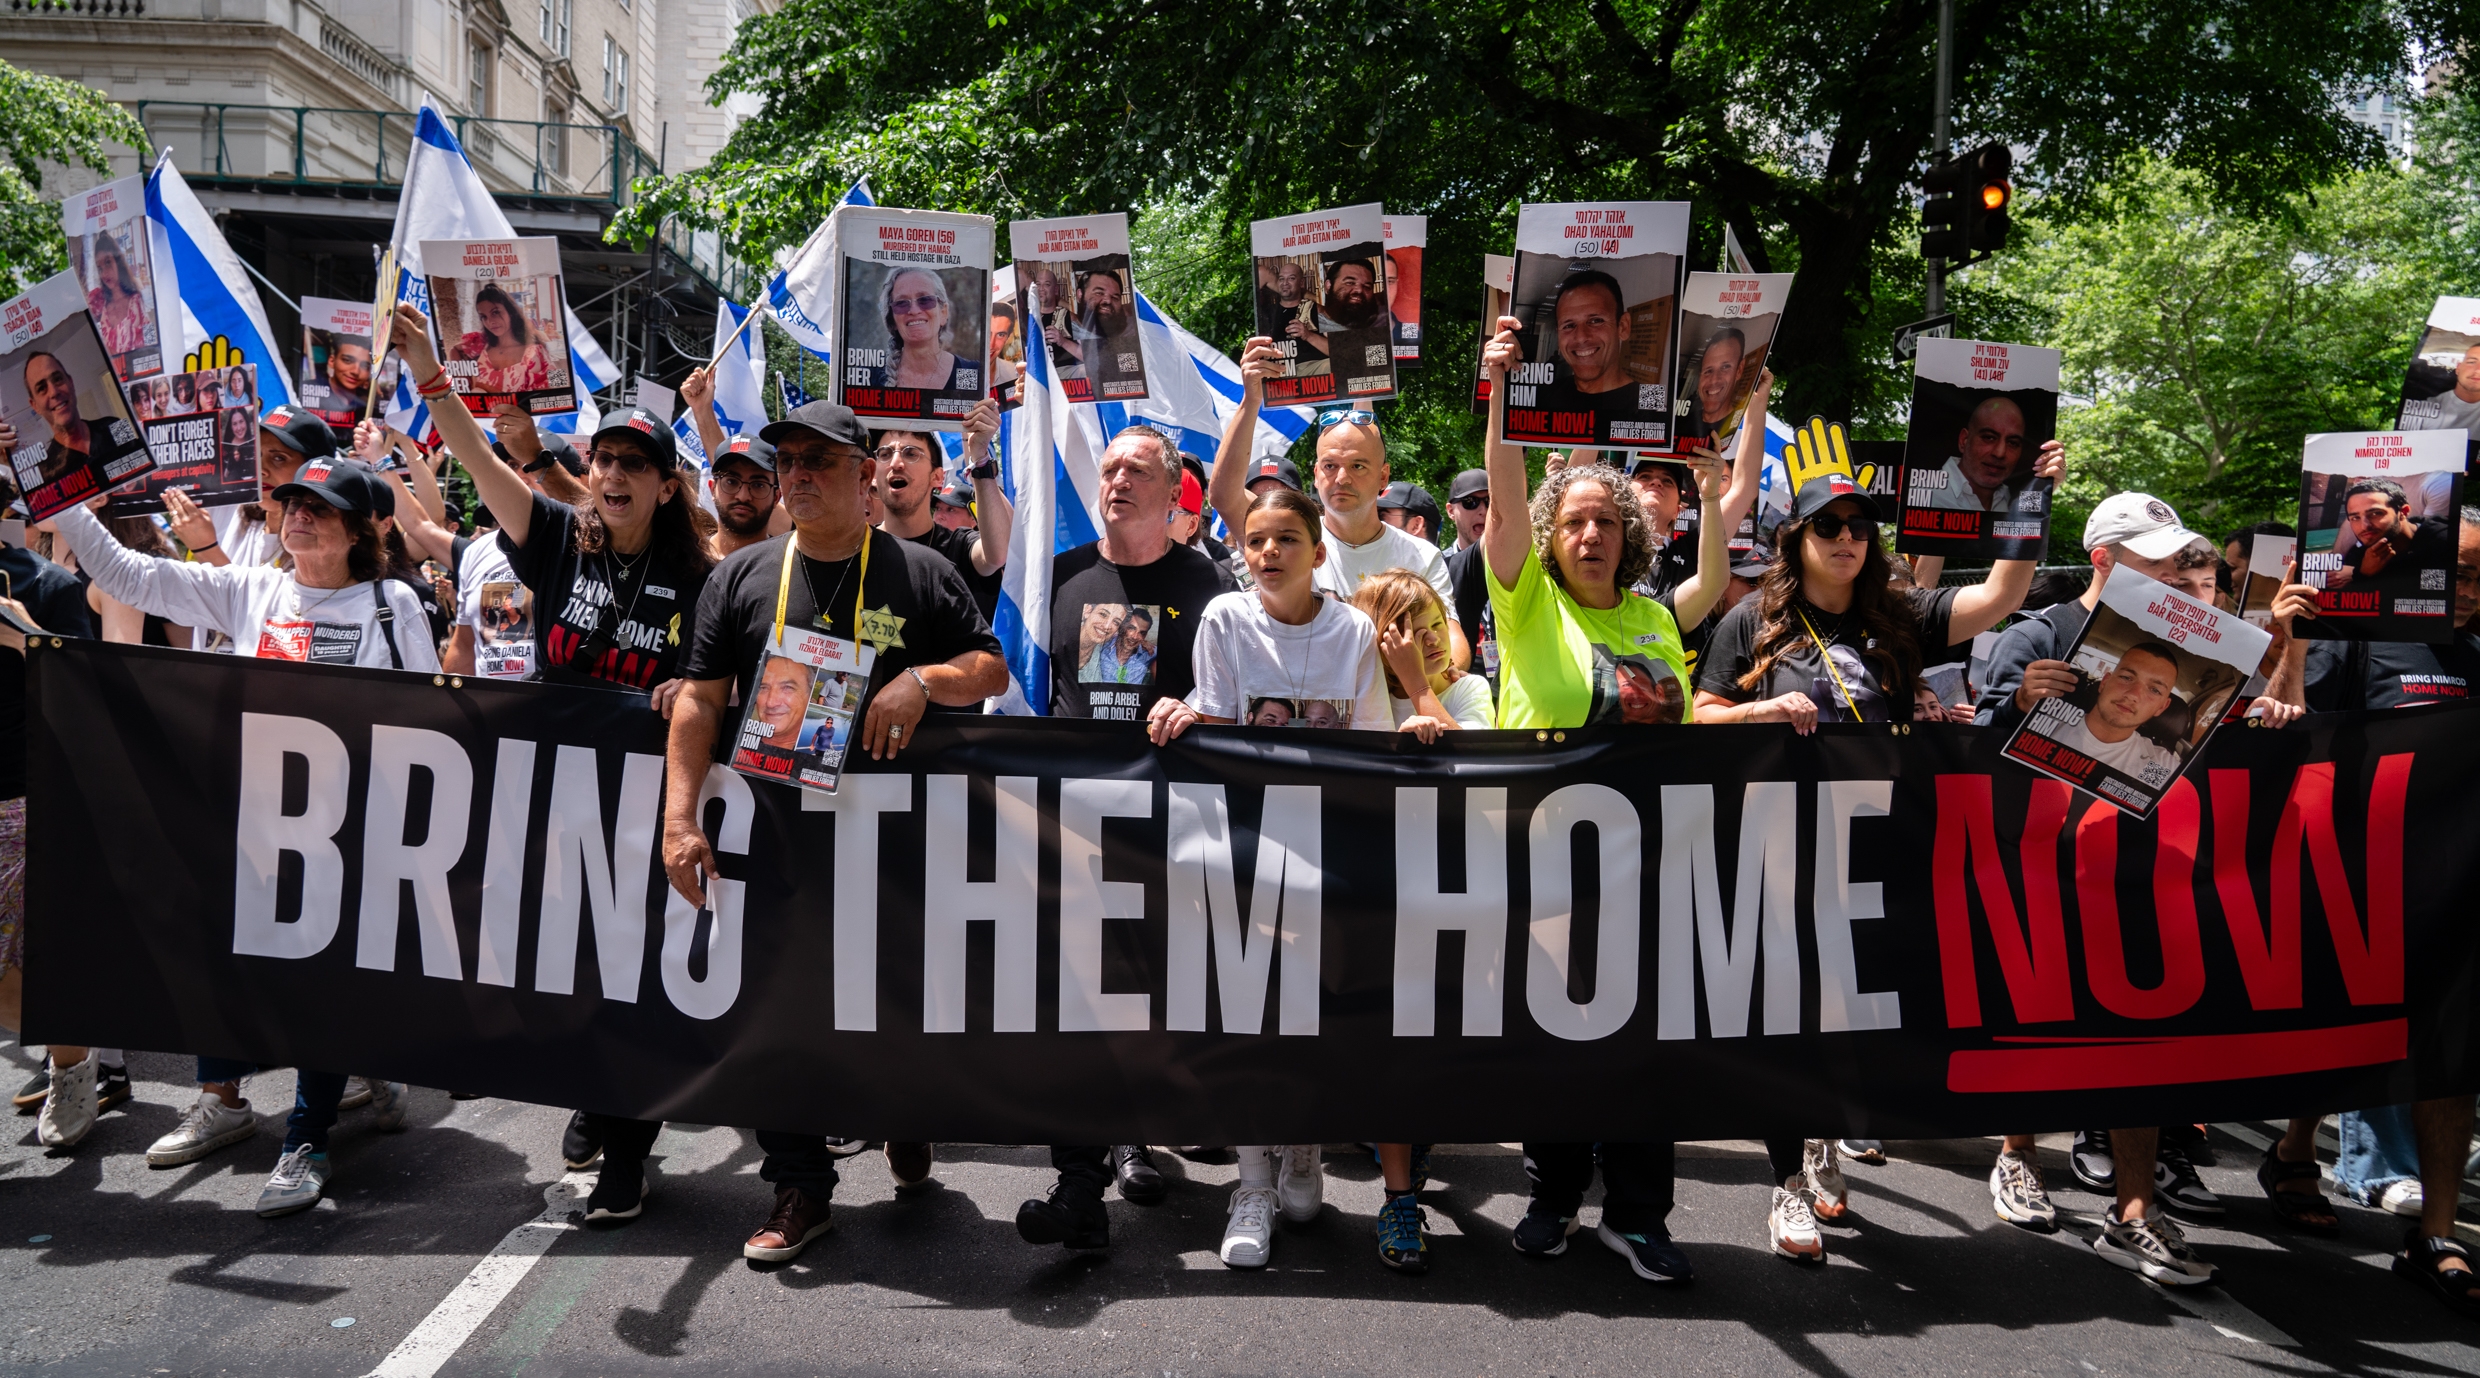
(113, 8)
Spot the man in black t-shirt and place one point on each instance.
(930, 646)
(907, 482)
(1124, 608)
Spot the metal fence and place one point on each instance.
(368, 148)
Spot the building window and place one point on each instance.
(2389, 105)
(615, 76)
(555, 19)
(555, 140)
(478, 79)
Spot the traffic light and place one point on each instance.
(1964, 218)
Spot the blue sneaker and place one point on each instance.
(1652, 1254)
(1400, 1245)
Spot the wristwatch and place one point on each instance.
(988, 468)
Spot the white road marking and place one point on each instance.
(462, 1311)
(2209, 1303)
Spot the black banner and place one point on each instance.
(1050, 931)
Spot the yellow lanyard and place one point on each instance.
(783, 587)
(1822, 654)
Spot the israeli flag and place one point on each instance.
(218, 300)
(1042, 444)
(802, 293)
(740, 380)
(444, 198)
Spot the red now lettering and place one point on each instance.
(2174, 908)
(2371, 958)
(2034, 961)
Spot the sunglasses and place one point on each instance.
(1328, 420)
(1830, 527)
(905, 306)
(613, 457)
(1472, 503)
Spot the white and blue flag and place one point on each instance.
(740, 381)
(218, 300)
(801, 295)
(444, 198)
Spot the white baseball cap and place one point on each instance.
(2142, 523)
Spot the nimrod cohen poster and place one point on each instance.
(2155, 672)
(75, 434)
(912, 341)
(1319, 298)
(2377, 515)
(1597, 290)
(1981, 412)
(500, 321)
(1727, 325)
(1075, 273)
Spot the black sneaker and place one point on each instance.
(1139, 1182)
(1541, 1234)
(29, 1097)
(619, 1194)
(111, 1087)
(2089, 1159)
(2179, 1190)
(2194, 1142)
(578, 1146)
(1072, 1216)
(1650, 1253)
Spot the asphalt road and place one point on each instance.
(110, 1267)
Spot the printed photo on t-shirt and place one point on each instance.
(1271, 711)
(1635, 689)
(1117, 643)
(1856, 680)
(504, 629)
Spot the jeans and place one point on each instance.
(2379, 1148)
(1636, 1181)
(314, 1098)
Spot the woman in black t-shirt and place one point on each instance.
(616, 577)
(1827, 637)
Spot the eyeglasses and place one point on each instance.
(755, 483)
(887, 452)
(1328, 420)
(1830, 527)
(1472, 502)
(905, 306)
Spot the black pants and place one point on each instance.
(1086, 1165)
(1784, 1154)
(797, 1160)
(1636, 1180)
(629, 1141)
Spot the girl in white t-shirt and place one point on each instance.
(1425, 690)
(1281, 655)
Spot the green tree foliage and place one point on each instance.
(54, 123)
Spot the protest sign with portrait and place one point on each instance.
(504, 629)
(802, 706)
(1727, 325)
(1406, 237)
(2377, 517)
(128, 293)
(2156, 671)
(2441, 390)
(2268, 556)
(337, 361)
(1981, 412)
(912, 341)
(202, 428)
(1320, 300)
(1007, 339)
(1079, 277)
(76, 434)
(500, 322)
(1597, 292)
(1498, 276)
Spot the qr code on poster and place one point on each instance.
(1652, 396)
(1378, 354)
(2432, 581)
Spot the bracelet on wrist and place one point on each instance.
(208, 546)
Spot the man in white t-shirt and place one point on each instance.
(2141, 689)
(2455, 409)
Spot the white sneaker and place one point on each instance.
(357, 1093)
(204, 1128)
(298, 1182)
(2021, 1197)
(1829, 1194)
(2402, 1198)
(1300, 1182)
(387, 1105)
(1248, 1238)
(69, 1110)
(1794, 1227)
(2153, 1245)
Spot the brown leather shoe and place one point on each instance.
(797, 1220)
(909, 1164)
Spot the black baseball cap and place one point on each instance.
(1814, 495)
(348, 485)
(955, 495)
(1405, 495)
(556, 449)
(1278, 468)
(820, 418)
(748, 447)
(299, 430)
(1468, 484)
(649, 430)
